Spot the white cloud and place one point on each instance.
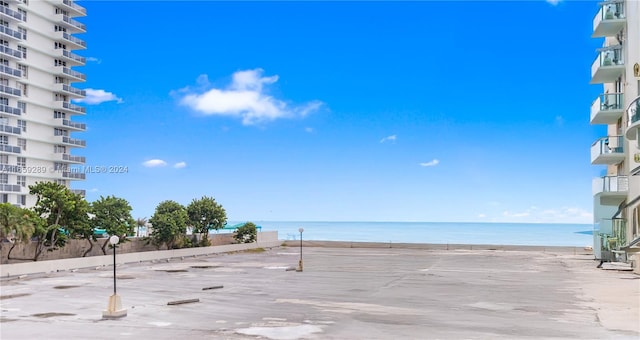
(98, 97)
(93, 59)
(553, 2)
(154, 163)
(180, 165)
(431, 163)
(391, 138)
(93, 190)
(308, 129)
(559, 120)
(482, 215)
(556, 215)
(244, 98)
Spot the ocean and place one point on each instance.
(534, 234)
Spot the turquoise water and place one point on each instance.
(538, 234)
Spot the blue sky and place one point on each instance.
(344, 111)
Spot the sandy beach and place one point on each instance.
(343, 293)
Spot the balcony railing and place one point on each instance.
(608, 65)
(607, 108)
(74, 107)
(12, 110)
(10, 71)
(74, 90)
(633, 119)
(70, 158)
(10, 90)
(70, 38)
(73, 141)
(74, 6)
(608, 150)
(611, 184)
(74, 175)
(10, 51)
(10, 129)
(75, 125)
(610, 18)
(74, 23)
(74, 57)
(73, 73)
(7, 31)
(11, 13)
(10, 148)
(10, 187)
(80, 192)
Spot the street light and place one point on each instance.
(300, 262)
(114, 309)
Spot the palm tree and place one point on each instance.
(140, 222)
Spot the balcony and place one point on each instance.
(74, 125)
(73, 159)
(8, 13)
(73, 175)
(609, 20)
(607, 108)
(12, 72)
(72, 141)
(70, 90)
(10, 129)
(75, 43)
(611, 190)
(10, 90)
(633, 119)
(71, 7)
(80, 192)
(72, 58)
(10, 148)
(10, 52)
(608, 150)
(72, 26)
(8, 32)
(12, 110)
(608, 66)
(67, 72)
(70, 108)
(10, 187)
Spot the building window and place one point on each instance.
(59, 45)
(4, 121)
(61, 11)
(4, 82)
(61, 182)
(22, 143)
(59, 149)
(4, 178)
(59, 115)
(24, 88)
(4, 159)
(21, 162)
(22, 106)
(59, 28)
(22, 124)
(23, 31)
(4, 62)
(60, 132)
(4, 101)
(22, 199)
(4, 198)
(24, 69)
(23, 50)
(4, 42)
(21, 181)
(59, 62)
(4, 140)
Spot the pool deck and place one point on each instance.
(343, 293)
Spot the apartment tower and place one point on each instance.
(36, 111)
(617, 193)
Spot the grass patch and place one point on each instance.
(255, 250)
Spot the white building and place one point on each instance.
(37, 131)
(617, 194)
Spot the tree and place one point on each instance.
(140, 222)
(16, 225)
(246, 233)
(204, 214)
(114, 215)
(169, 223)
(64, 214)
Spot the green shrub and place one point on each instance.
(246, 234)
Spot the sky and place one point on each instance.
(457, 111)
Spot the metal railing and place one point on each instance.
(8, 11)
(74, 90)
(11, 129)
(74, 40)
(10, 90)
(78, 8)
(10, 187)
(74, 107)
(6, 30)
(73, 73)
(73, 141)
(609, 56)
(10, 148)
(612, 184)
(75, 175)
(607, 145)
(12, 110)
(10, 51)
(609, 10)
(71, 158)
(74, 23)
(10, 71)
(74, 56)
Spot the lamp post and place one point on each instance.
(300, 262)
(114, 308)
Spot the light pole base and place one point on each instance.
(299, 269)
(114, 309)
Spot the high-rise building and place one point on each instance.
(617, 193)
(37, 130)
